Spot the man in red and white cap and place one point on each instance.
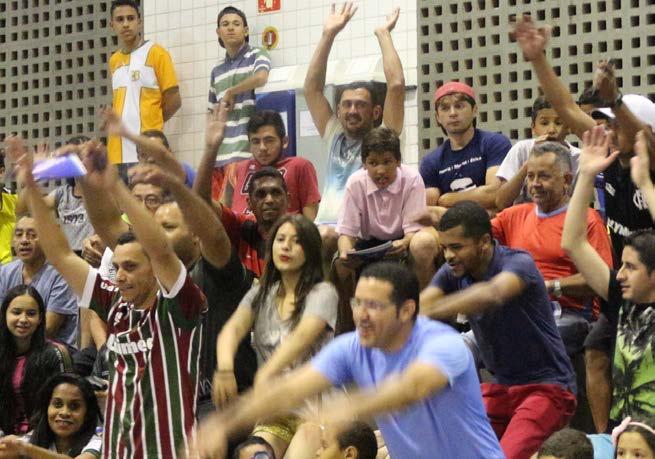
(463, 168)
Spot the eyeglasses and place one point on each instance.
(371, 305)
(262, 455)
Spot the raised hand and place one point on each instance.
(100, 174)
(41, 152)
(215, 128)
(640, 163)
(605, 82)
(338, 20)
(111, 122)
(392, 19)
(531, 39)
(150, 173)
(594, 157)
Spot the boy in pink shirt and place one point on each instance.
(381, 202)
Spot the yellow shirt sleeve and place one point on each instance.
(161, 61)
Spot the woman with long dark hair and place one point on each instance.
(64, 421)
(26, 357)
(291, 313)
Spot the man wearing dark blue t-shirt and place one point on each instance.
(503, 295)
(463, 168)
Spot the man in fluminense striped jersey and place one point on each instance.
(153, 314)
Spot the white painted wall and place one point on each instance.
(187, 29)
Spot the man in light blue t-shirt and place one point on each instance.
(416, 377)
(30, 267)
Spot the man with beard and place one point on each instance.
(357, 112)
(463, 168)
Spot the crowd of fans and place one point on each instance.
(157, 311)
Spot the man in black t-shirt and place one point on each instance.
(630, 291)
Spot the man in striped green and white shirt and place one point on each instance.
(153, 313)
(234, 81)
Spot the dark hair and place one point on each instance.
(156, 133)
(588, 97)
(267, 171)
(8, 354)
(367, 85)
(126, 238)
(643, 242)
(361, 436)
(266, 118)
(231, 10)
(567, 444)
(116, 3)
(312, 270)
(43, 435)
(253, 440)
(473, 218)
(540, 103)
(380, 140)
(402, 279)
(646, 434)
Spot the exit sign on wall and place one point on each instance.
(268, 6)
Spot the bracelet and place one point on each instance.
(616, 103)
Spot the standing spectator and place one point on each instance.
(145, 90)
(153, 314)
(415, 375)
(502, 293)
(462, 168)
(31, 268)
(234, 81)
(26, 357)
(292, 313)
(358, 111)
(630, 291)
(268, 141)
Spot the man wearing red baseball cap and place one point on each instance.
(463, 168)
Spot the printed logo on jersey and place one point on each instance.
(639, 201)
(135, 75)
(129, 347)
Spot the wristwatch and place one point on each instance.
(557, 288)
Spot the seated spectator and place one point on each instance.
(630, 291)
(254, 447)
(26, 357)
(503, 295)
(32, 268)
(64, 422)
(537, 228)
(356, 441)
(268, 140)
(546, 125)
(635, 438)
(415, 377)
(8, 202)
(379, 205)
(462, 168)
(566, 444)
(292, 313)
(267, 199)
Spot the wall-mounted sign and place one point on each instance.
(268, 6)
(270, 37)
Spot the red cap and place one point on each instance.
(452, 87)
